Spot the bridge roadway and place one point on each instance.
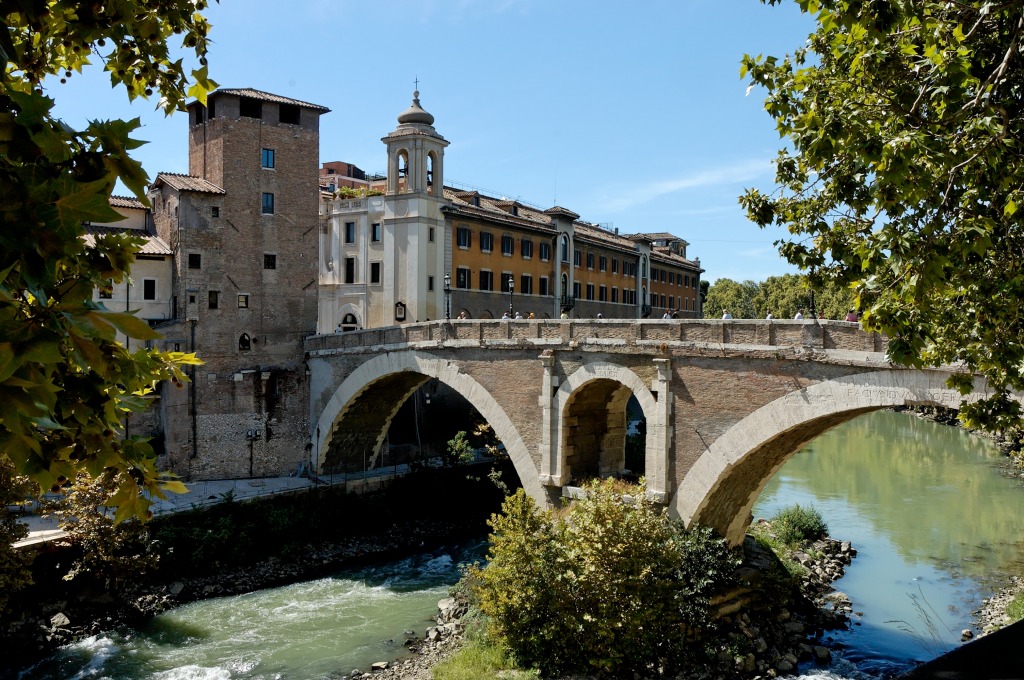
(726, 401)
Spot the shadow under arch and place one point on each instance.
(722, 486)
(612, 385)
(358, 414)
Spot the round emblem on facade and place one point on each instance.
(402, 208)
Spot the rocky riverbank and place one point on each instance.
(758, 640)
(45, 622)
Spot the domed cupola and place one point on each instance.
(415, 113)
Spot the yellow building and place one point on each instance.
(421, 250)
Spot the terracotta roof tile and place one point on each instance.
(268, 97)
(188, 183)
(153, 245)
(126, 202)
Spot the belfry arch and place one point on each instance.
(361, 409)
(722, 486)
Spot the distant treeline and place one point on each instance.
(780, 296)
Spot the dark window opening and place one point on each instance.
(269, 261)
(462, 277)
(148, 289)
(244, 343)
(375, 272)
(268, 203)
(289, 113)
(215, 211)
(350, 270)
(214, 299)
(195, 261)
(350, 232)
(430, 283)
(250, 108)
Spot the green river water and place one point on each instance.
(931, 513)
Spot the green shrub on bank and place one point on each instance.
(797, 524)
(610, 586)
(1015, 610)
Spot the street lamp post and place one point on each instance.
(511, 287)
(814, 312)
(447, 297)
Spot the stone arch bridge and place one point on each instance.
(726, 401)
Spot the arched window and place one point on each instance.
(403, 170)
(349, 323)
(432, 165)
(244, 343)
(565, 287)
(565, 249)
(643, 273)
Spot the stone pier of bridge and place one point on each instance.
(726, 402)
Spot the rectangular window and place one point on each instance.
(215, 211)
(267, 159)
(430, 234)
(590, 260)
(545, 251)
(526, 248)
(350, 270)
(576, 290)
(577, 258)
(486, 241)
(243, 300)
(214, 299)
(375, 272)
(269, 261)
(375, 232)
(542, 285)
(672, 278)
(506, 277)
(615, 266)
(250, 108)
(289, 113)
(654, 274)
(148, 289)
(526, 284)
(663, 276)
(486, 280)
(602, 293)
(508, 245)
(268, 203)
(662, 300)
(195, 261)
(464, 237)
(671, 301)
(462, 278)
(430, 283)
(686, 280)
(590, 291)
(603, 263)
(350, 232)
(615, 294)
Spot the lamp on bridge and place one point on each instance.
(447, 297)
(511, 287)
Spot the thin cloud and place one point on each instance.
(737, 173)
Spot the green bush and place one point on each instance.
(611, 586)
(797, 524)
(1015, 610)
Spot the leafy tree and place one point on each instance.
(115, 554)
(614, 586)
(903, 175)
(15, 564)
(737, 297)
(65, 383)
(458, 449)
(785, 295)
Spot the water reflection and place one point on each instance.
(930, 514)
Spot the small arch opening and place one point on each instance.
(244, 342)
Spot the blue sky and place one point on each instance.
(630, 114)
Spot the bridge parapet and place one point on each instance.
(746, 333)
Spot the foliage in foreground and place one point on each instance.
(111, 553)
(902, 177)
(796, 524)
(65, 381)
(14, 564)
(609, 586)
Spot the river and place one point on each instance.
(926, 506)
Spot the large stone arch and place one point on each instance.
(722, 486)
(571, 387)
(408, 370)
